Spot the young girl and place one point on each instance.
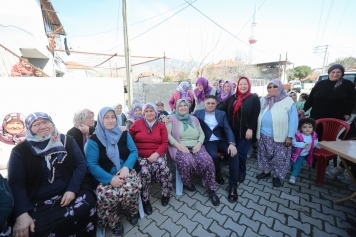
(304, 142)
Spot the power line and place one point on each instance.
(342, 16)
(327, 20)
(321, 14)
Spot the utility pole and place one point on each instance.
(127, 51)
(285, 70)
(319, 50)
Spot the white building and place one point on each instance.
(76, 70)
(24, 29)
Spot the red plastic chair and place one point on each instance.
(331, 130)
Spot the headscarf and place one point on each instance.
(182, 88)
(290, 92)
(109, 138)
(80, 116)
(205, 92)
(224, 96)
(339, 66)
(54, 150)
(152, 106)
(270, 100)
(133, 111)
(221, 87)
(12, 139)
(135, 99)
(118, 116)
(185, 119)
(239, 96)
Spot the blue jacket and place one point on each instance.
(222, 130)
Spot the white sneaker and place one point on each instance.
(334, 172)
(292, 180)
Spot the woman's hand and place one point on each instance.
(288, 142)
(166, 121)
(347, 117)
(67, 198)
(23, 222)
(197, 148)
(84, 128)
(123, 128)
(123, 172)
(181, 147)
(300, 111)
(153, 157)
(116, 181)
(249, 133)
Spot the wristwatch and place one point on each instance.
(232, 143)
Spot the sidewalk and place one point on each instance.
(292, 210)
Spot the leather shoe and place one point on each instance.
(214, 198)
(232, 194)
(165, 201)
(147, 208)
(242, 178)
(134, 219)
(192, 188)
(263, 175)
(218, 178)
(276, 182)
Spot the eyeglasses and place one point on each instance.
(90, 117)
(269, 87)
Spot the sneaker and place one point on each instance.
(292, 180)
(334, 172)
(119, 230)
(352, 187)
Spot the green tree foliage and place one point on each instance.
(302, 71)
(348, 62)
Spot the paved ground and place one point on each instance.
(292, 210)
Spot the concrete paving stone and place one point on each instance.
(213, 214)
(201, 198)
(200, 189)
(135, 232)
(309, 191)
(291, 186)
(166, 235)
(319, 233)
(254, 224)
(301, 208)
(287, 210)
(187, 223)
(344, 224)
(256, 171)
(333, 212)
(305, 227)
(323, 202)
(202, 220)
(344, 209)
(304, 175)
(260, 208)
(157, 217)
(335, 188)
(278, 226)
(267, 203)
(200, 231)
(275, 215)
(302, 184)
(242, 200)
(219, 231)
(284, 189)
(259, 193)
(201, 208)
(153, 230)
(171, 227)
(232, 225)
(334, 230)
(313, 221)
(183, 233)
(249, 233)
(250, 196)
(337, 195)
(241, 209)
(248, 189)
(280, 201)
(175, 203)
(322, 216)
(301, 195)
(230, 213)
(263, 219)
(225, 202)
(170, 212)
(188, 200)
(292, 198)
(158, 206)
(144, 222)
(274, 191)
(265, 231)
(255, 185)
(187, 211)
(320, 189)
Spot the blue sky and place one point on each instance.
(293, 26)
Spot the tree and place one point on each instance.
(302, 71)
(348, 62)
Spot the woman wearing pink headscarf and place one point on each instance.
(276, 126)
(181, 92)
(202, 91)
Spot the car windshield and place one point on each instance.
(350, 77)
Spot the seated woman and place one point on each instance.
(83, 121)
(22, 68)
(12, 133)
(46, 174)
(111, 155)
(186, 148)
(6, 205)
(151, 139)
(121, 118)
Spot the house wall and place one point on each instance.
(21, 26)
(80, 73)
(59, 97)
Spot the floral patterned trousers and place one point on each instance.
(157, 171)
(111, 199)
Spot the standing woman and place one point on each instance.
(203, 90)
(216, 85)
(225, 94)
(121, 118)
(181, 92)
(276, 126)
(111, 155)
(242, 112)
(151, 138)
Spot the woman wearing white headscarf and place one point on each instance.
(181, 92)
(121, 118)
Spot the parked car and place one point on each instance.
(297, 85)
(351, 76)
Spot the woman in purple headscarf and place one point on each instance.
(201, 92)
(276, 126)
(226, 93)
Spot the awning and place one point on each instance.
(32, 53)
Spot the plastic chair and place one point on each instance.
(331, 130)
